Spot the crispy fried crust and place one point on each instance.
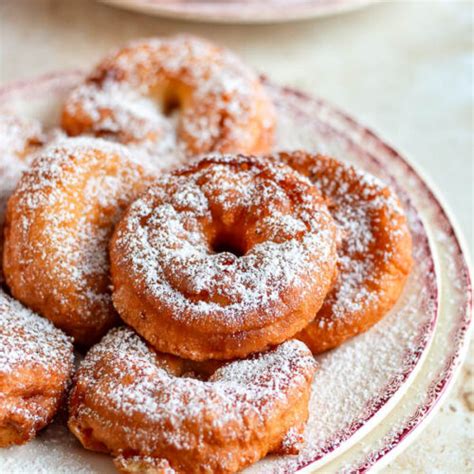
(20, 138)
(59, 221)
(36, 362)
(223, 258)
(375, 257)
(153, 415)
(222, 104)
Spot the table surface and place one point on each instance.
(402, 68)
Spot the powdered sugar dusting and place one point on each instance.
(372, 226)
(357, 380)
(367, 370)
(286, 233)
(222, 105)
(357, 214)
(36, 360)
(154, 144)
(143, 463)
(26, 339)
(19, 139)
(70, 200)
(124, 378)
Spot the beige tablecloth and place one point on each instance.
(403, 68)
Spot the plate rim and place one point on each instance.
(239, 12)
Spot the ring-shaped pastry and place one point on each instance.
(375, 257)
(221, 104)
(223, 258)
(36, 363)
(151, 412)
(59, 222)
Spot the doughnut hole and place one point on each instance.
(229, 242)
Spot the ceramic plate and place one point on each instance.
(241, 11)
(364, 391)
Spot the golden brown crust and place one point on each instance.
(153, 416)
(59, 221)
(20, 138)
(375, 258)
(142, 465)
(223, 105)
(223, 258)
(36, 362)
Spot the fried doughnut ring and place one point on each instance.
(149, 412)
(223, 105)
(376, 254)
(36, 362)
(223, 258)
(59, 221)
(19, 139)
